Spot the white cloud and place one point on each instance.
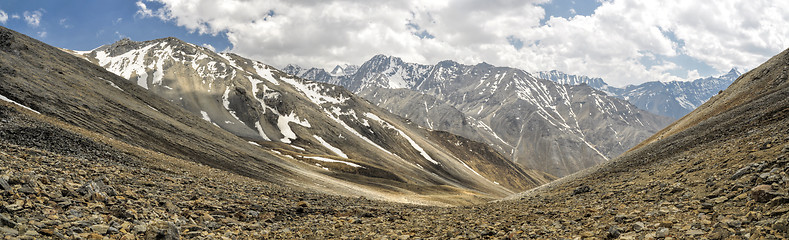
(42, 34)
(33, 18)
(143, 11)
(206, 45)
(64, 22)
(3, 17)
(610, 43)
(15, 16)
(693, 75)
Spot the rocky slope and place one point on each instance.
(722, 175)
(328, 149)
(257, 102)
(555, 128)
(672, 99)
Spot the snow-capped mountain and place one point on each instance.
(672, 99)
(345, 69)
(323, 125)
(563, 78)
(555, 128)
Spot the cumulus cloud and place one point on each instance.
(33, 18)
(611, 43)
(3, 17)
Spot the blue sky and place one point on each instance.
(87, 24)
(568, 8)
(622, 41)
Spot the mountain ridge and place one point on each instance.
(314, 123)
(528, 119)
(672, 99)
(720, 172)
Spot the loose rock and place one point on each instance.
(763, 193)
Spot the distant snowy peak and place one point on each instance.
(507, 108)
(338, 71)
(293, 69)
(311, 125)
(563, 78)
(344, 70)
(672, 99)
(733, 73)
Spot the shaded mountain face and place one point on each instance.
(555, 128)
(328, 132)
(672, 99)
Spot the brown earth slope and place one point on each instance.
(84, 96)
(722, 178)
(304, 119)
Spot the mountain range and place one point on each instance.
(559, 129)
(244, 117)
(672, 99)
(88, 154)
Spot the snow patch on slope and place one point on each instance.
(265, 73)
(311, 91)
(421, 151)
(127, 64)
(203, 113)
(323, 159)
(260, 131)
(18, 104)
(284, 128)
(330, 147)
(355, 133)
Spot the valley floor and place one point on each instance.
(705, 193)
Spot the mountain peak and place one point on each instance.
(380, 56)
(733, 73)
(447, 63)
(343, 70)
(292, 69)
(385, 58)
(569, 79)
(485, 65)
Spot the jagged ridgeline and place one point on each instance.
(185, 101)
(559, 129)
(672, 99)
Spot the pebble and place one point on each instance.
(162, 231)
(613, 232)
(581, 189)
(100, 228)
(4, 185)
(662, 233)
(763, 193)
(638, 226)
(149, 203)
(694, 232)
